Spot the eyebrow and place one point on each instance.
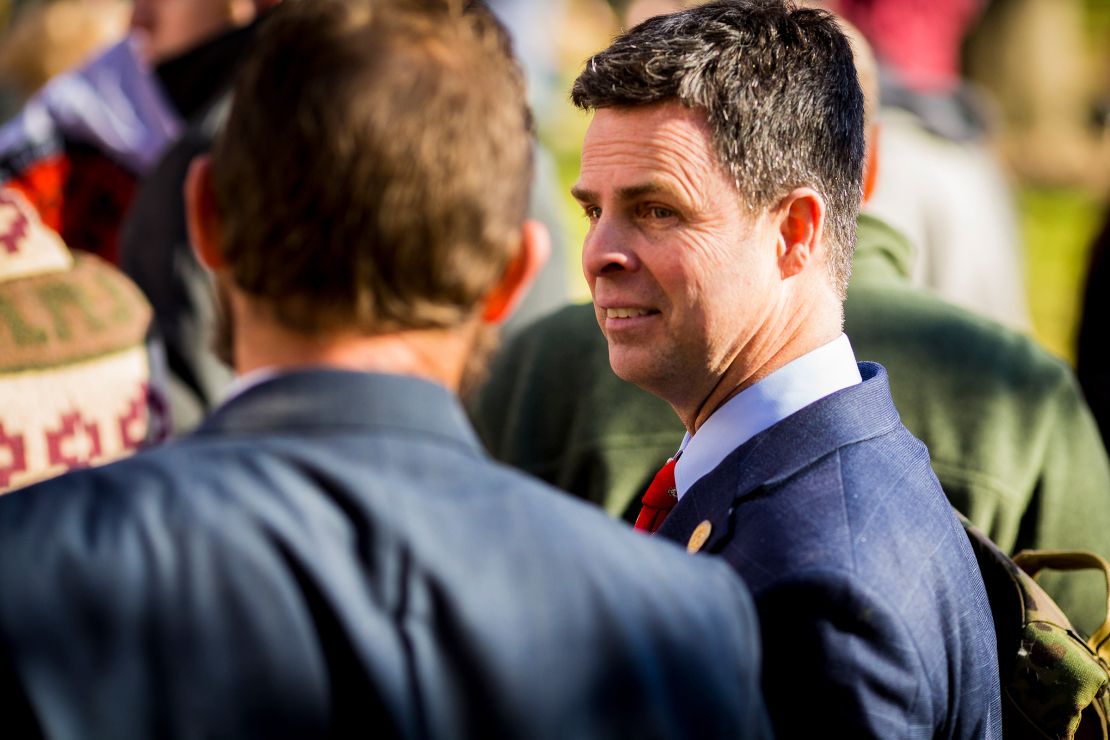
(629, 192)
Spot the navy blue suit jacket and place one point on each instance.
(874, 616)
(331, 553)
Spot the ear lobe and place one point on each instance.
(241, 12)
(532, 254)
(800, 230)
(201, 215)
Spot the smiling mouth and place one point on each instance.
(628, 313)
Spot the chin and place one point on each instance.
(651, 373)
(631, 368)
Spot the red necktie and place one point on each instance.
(660, 498)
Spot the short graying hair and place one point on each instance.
(779, 88)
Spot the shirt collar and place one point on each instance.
(242, 383)
(795, 385)
(329, 400)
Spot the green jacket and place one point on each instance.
(1012, 442)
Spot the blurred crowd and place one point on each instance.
(980, 277)
(996, 149)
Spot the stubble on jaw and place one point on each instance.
(656, 372)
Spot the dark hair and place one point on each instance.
(375, 169)
(778, 85)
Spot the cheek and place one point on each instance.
(702, 268)
(723, 303)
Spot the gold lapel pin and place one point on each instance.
(699, 537)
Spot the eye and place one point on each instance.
(657, 212)
(593, 213)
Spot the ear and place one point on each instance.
(502, 300)
(871, 162)
(201, 215)
(241, 12)
(801, 228)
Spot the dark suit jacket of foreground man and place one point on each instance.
(1011, 440)
(332, 553)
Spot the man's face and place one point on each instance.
(169, 27)
(683, 274)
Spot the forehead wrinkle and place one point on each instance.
(669, 145)
(640, 168)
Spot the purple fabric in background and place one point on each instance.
(112, 103)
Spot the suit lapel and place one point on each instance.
(850, 415)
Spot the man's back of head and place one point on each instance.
(420, 176)
(369, 212)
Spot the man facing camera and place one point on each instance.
(721, 176)
(331, 554)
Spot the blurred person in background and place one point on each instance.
(78, 142)
(331, 553)
(1047, 64)
(81, 374)
(940, 182)
(78, 146)
(47, 38)
(81, 146)
(154, 247)
(167, 28)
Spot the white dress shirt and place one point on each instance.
(795, 385)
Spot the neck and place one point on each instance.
(439, 355)
(797, 333)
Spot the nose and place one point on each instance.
(607, 251)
